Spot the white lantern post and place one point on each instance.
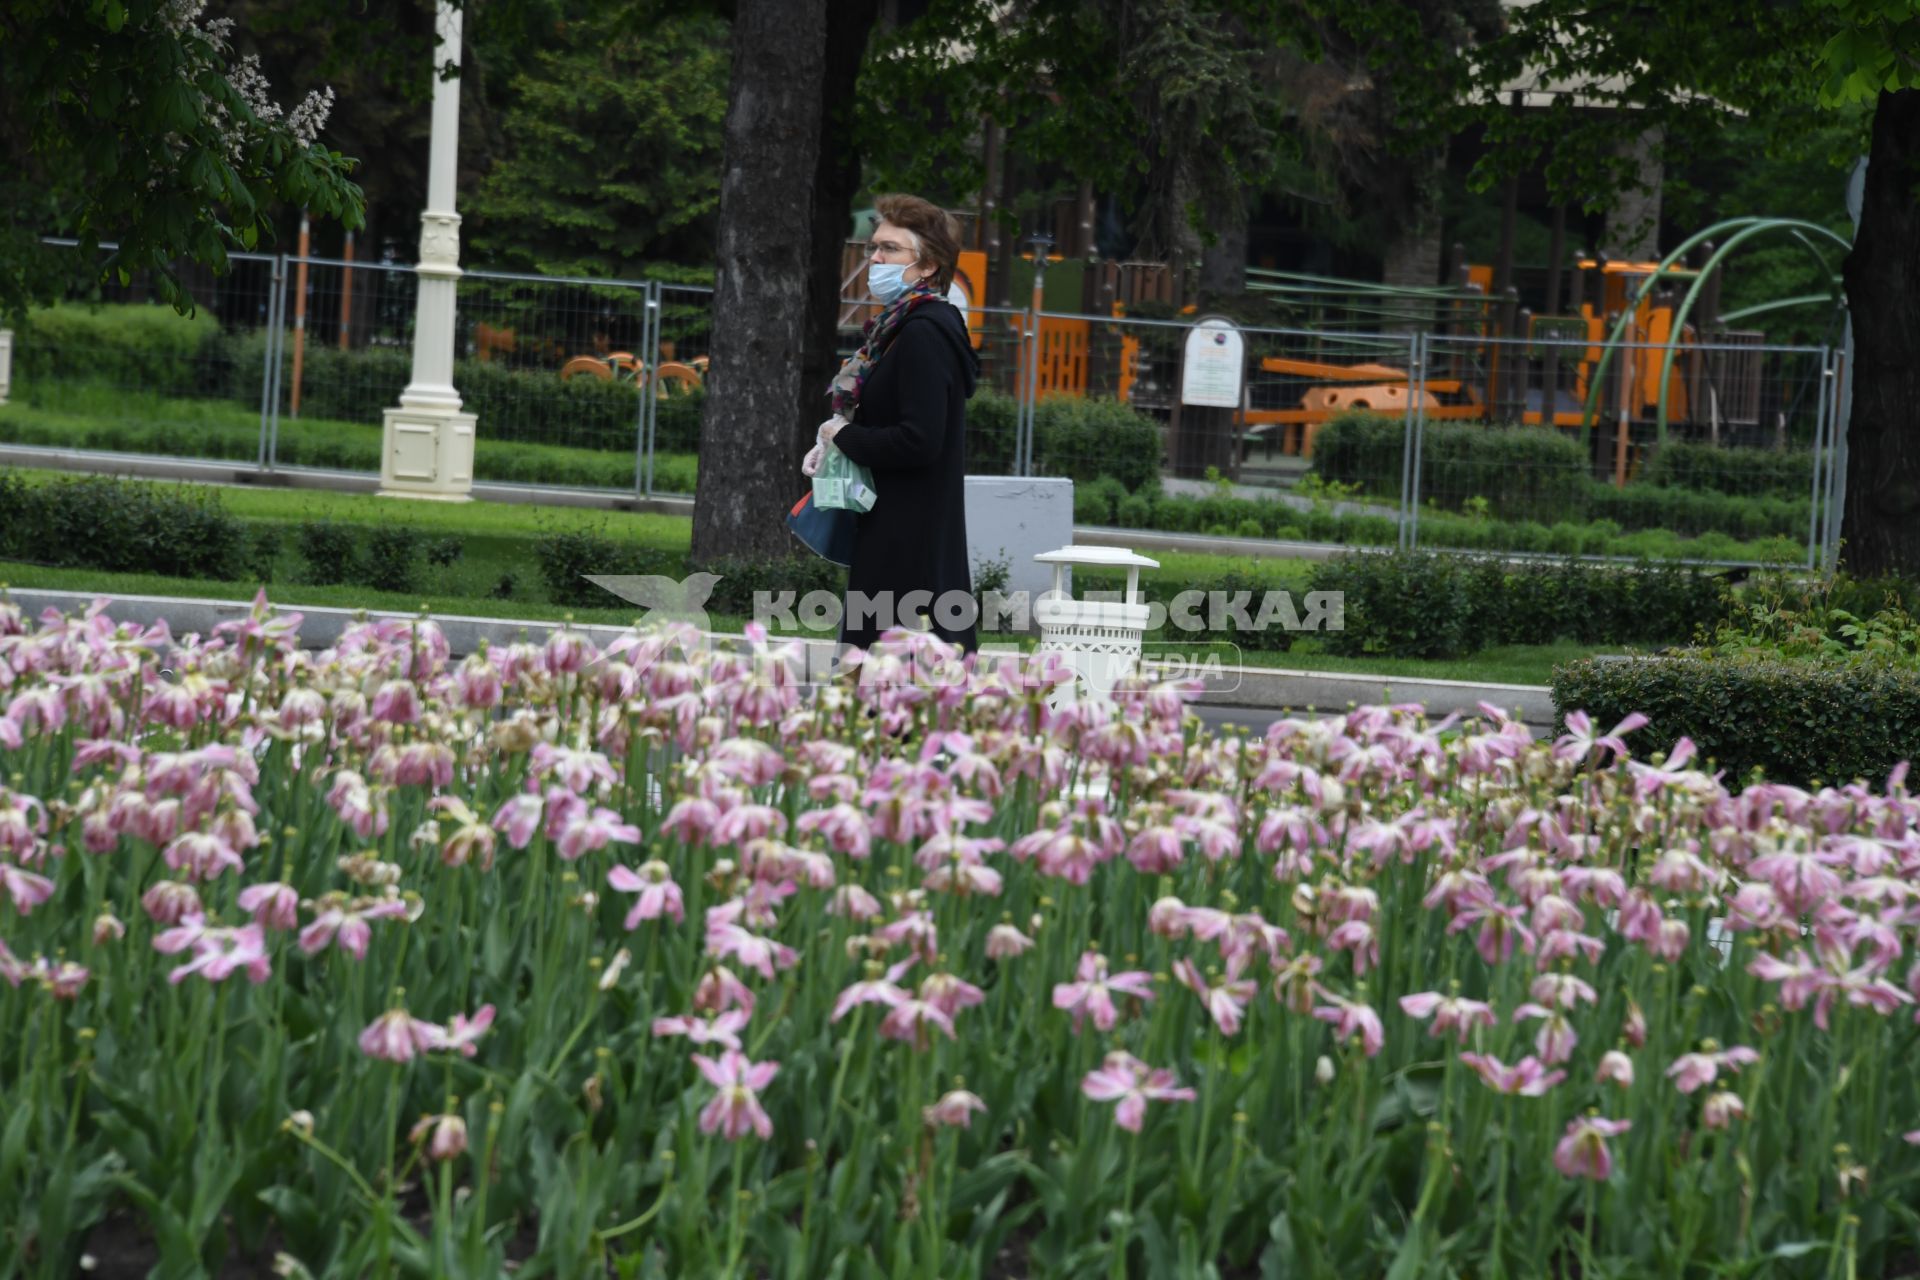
(427, 444)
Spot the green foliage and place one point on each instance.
(1798, 722)
(390, 560)
(1428, 605)
(740, 580)
(1537, 474)
(613, 144)
(133, 118)
(1705, 468)
(121, 526)
(1082, 438)
(566, 556)
(328, 548)
(153, 348)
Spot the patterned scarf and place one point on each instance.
(876, 337)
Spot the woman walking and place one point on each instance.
(900, 409)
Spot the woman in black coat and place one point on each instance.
(901, 410)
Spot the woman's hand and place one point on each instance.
(810, 466)
(830, 428)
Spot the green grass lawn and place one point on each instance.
(91, 415)
(496, 575)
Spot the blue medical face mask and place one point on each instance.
(886, 280)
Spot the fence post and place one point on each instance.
(1837, 473)
(1822, 421)
(1023, 436)
(1416, 391)
(649, 391)
(1406, 435)
(270, 366)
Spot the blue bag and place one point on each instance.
(827, 532)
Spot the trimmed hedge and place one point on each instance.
(1706, 468)
(1082, 438)
(1797, 722)
(151, 347)
(1541, 474)
(121, 526)
(1424, 604)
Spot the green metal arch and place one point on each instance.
(1597, 379)
(1798, 230)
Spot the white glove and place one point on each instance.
(829, 428)
(815, 456)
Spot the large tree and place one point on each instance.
(1679, 72)
(134, 121)
(785, 203)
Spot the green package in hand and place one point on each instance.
(842, 484)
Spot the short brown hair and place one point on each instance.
(938, 233)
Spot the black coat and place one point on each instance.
(911, 430)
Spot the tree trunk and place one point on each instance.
(1223, 264)
(1880, 533)
(836, 177)
(761, 304)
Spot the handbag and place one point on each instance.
(825, 531)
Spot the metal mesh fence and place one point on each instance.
(1714, 449)
(111, 369)
(1704, 451)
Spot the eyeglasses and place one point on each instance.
(887, 247)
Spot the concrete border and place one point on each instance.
(1256, 688)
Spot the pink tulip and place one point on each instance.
(27, 889)
(1721, 1109)
(1615, 1068)
(445, 1136)
(219, 953)
(586, 831)
(1583, 1152)
(1449, 1013)
(719, 989)
(1004, 942)
(168, 902)
(1693, 1071)
(954, 1110)
(910, 1019)
(1527, 1078)
(659, 895)
(1580, 743)
(396, 1036)
(722, 1029)
(1556, 1039)
(950, 994)
(200, 856)
(1352, 1018)
(1092, 994)
(874, 990)
(463, 1033)
(1125, 1079)
(735, 1109)
(1226, 1002)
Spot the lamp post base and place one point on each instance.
(427, 453)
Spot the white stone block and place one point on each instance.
(1012, 518)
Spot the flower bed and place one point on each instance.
(647, 961)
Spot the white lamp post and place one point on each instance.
(427, 444)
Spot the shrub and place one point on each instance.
(1799, 722)
(1426, 605)
(1098, 501)
(1080, 437)
(566, 557)
(391, 558)
(123, 526)
(263, 551)
(1522, 472)
(444, 553)
(1706, 468)
(141, 346)
(740, 580)
(329, 548)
